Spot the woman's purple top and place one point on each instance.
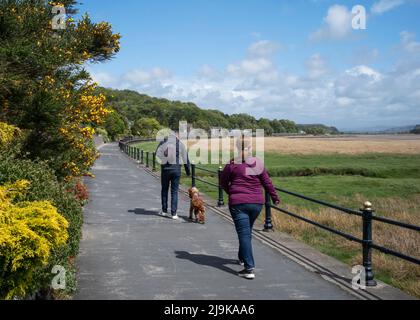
(244, 182)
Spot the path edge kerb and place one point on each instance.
(314, 261)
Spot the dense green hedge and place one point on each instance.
(45, 186)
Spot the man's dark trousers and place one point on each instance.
(170, 176)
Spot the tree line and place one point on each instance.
(140, 114)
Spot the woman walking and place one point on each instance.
(244, 179)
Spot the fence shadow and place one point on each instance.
(206, 260)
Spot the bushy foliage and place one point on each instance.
(29, 231)
(115, 125)
(44, 186)
(103, 133)
(44, 88)
(318, 129)
(7, 134)
(47, 94)
(146, 127)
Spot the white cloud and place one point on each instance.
(360, 96)
(316, 66)
(365, 73)
(408, 42)
(103, 78)
(258, 64)
(382, 6)
(336, 25)
(139, 76)
(263, 48)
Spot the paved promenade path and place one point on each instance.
(128, 251)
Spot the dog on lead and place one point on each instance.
(196, 206)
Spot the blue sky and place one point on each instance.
(299, 59)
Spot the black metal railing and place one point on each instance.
(194, 178)
(366, 213)
(143, 157)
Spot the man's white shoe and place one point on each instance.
(163, 214)
(175, 217)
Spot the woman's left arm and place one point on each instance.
(225, 178)
(269, 187)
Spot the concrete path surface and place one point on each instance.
(130, 252)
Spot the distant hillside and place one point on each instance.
(405, 129)
(318, 129)
(416, 130)
(133, 106)
(382, 129)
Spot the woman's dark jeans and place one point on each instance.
(244, 216)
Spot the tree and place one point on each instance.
(416, 130)
(266, 126)
(146, 127)
(289, 126)
(44, 88)
(277, 126)
(115, 125)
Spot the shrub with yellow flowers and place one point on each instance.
(44, 88)
(7, 134)
(29, 231)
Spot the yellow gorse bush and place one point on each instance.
(29, 231)
(7, 133)
(82, 112)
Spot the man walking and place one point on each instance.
(172, 154)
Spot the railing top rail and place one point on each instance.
(137, 140)
(330, 205)
(204, 169)
(396, 223)
(334, 206)
(335, 231)
(207, 182)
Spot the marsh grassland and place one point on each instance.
(348, 170)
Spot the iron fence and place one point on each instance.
(367, 214)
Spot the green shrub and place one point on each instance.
(29, 231)
(103, 133)
(44, 186)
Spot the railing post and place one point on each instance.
(138, 155)
(367, 213)
(193, 175)
(154, 161)
(220, 201)
(268, 225)
(147, 159)
(142, 157)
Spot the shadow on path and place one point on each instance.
(206, 260)
(145, 212)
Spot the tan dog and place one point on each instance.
(197, 206)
